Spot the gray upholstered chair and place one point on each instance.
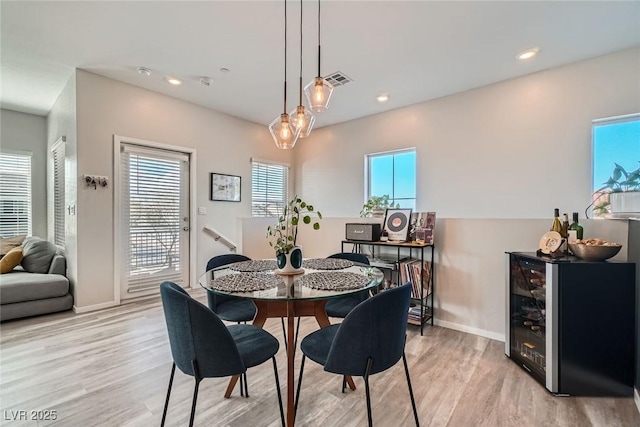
(203, 347)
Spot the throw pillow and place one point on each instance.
(10, 260)
(8, 243)
(38, 254)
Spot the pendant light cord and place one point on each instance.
(300, 52)
(318, 38)
(285, 57)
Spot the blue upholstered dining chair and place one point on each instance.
(203, 347)
(370, 340)
(340, 307)
(231, 309)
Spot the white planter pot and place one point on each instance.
(625, 202)
(290, 262)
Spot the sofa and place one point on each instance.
(38, 285)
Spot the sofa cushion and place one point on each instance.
(38, 254)
(8, 243)
(10, 260)
(18, 286)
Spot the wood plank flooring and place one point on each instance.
(111, 368)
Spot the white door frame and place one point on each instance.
(117, 226)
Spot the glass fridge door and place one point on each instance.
(527, 293)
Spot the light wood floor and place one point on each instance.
(112, 368)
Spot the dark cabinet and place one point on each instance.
(570, 323)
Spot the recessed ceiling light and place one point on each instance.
(383, 97)
(174, 81)
(225, 70)
(528, 54)
(144, 71)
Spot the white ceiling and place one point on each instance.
(415, 51)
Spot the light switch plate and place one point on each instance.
(202, 210)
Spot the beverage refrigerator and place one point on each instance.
(570, 323)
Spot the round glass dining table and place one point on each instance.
(290, 295)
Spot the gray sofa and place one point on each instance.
(35, 287)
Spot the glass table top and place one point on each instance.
(292, 287)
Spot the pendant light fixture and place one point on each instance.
(319, 91)
(284, 134)
(301, 117)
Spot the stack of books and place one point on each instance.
(414, 315)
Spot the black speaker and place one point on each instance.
(369, 232)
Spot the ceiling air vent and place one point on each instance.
(337, 79)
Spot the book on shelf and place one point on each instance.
(411, 271)
(417, 316)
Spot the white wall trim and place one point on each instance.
(470, 330)
(101, 306)
(636, 398)
(117, 225)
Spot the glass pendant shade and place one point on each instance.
(302, 119)
(284, 134)
(318, 94)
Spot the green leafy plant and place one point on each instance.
(376, 203)
(283, 236)
(620, 181)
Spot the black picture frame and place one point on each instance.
(396, 222)
(225, 188)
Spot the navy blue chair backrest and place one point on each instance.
(219, 261)
(196, 333)
(376, 328)
(351, 256)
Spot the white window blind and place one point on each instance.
(269, 188)
(151, 209)
(15, 194)
(58, 152)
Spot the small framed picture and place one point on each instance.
(224, 188)
(396, 222)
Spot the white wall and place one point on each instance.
(61, 121)
(224, 144)
(513, 150)
(27, 132)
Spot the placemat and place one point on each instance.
(245, 282)
(254, 265)
(326, 263)
(334, 281)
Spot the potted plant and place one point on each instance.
(283, 236)
(376, 205)
(623, 191)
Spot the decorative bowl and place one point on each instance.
(593, 252)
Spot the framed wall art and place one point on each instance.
(224, 188)
(396, 222)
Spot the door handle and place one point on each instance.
(185, 228)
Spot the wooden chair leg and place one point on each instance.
(275, 370)
(166, 402)
(366, 388)
(295, 406)
(413, 402)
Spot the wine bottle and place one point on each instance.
(556, 226)
(565, 226)
(575, 229)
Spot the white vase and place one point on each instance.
(291, 262)
(628, 201)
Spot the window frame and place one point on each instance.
(29, 194)
(284, 189)
(367, 167)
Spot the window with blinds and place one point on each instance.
(58, 152)
(152, 204)
(15, 194)
(269, 188)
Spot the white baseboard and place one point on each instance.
(636, 398)
(470, 330)
(80, 310)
